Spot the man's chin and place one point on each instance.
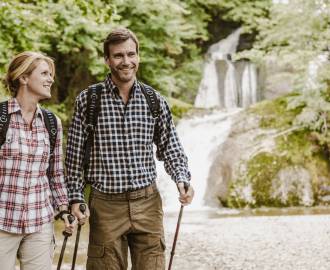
(126, 79)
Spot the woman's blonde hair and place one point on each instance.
(23, 64)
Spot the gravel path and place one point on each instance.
(208, 241)
(256, 242)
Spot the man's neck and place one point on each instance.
(124, 89)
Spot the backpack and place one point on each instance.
(93, 109)
(50, 123)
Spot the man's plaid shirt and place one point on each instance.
(122, 153)
(26, 194)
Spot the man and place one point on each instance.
(125, 206)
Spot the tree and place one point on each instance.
(297, 34)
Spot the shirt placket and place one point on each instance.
(31, 140)
(123, 135)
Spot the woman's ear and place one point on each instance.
(23, 80)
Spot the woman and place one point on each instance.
(32, 186)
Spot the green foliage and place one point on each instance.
(262, 169)
(178, 108)
(274, 113)
(71, 31)
(248, 13)
(315, 115)
(295, 34)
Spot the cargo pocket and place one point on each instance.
(95, 260)
(156, 261)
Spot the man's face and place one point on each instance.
(123, 62)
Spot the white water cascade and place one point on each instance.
(225, 83)
(199, 136)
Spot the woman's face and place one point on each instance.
(40, 81)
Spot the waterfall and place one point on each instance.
(199, 135)
(225, 83)
(249, 85)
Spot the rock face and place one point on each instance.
(250, 170)
(293, 181)
(246, 139)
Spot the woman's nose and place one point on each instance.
(50, 79)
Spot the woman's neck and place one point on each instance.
(28, 105)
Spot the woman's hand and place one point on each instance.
(70, 223)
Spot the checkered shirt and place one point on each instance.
(27, 196)
(122, 157)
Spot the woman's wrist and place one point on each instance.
(63, 207)
(61, 214)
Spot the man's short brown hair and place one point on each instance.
(116, 36)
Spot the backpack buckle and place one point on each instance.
(3, 118)
(53, 131)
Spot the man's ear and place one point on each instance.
(106, 60)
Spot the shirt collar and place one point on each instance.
(14, 107)
(113, 89)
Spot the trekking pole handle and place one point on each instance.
(71, 219)
(186, 187)
(82, 208)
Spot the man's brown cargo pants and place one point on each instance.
(131, 220)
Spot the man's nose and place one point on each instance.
(125, 59)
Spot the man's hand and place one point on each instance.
(186, 196)
(82, 217)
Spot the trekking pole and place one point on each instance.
(66, 235)
(175, 237)
(186, 187)
(82, 208)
